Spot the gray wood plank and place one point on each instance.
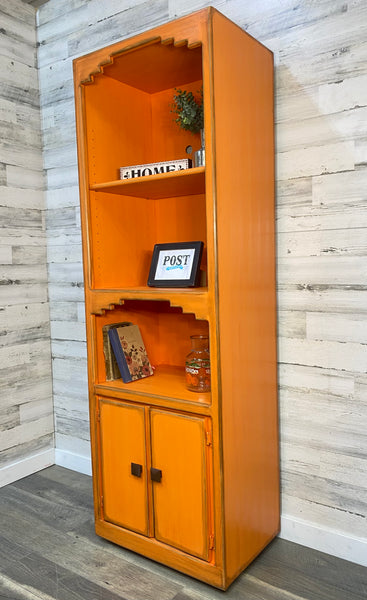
(310, 574)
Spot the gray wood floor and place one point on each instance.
(48, 550)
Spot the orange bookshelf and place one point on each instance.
(188, 479)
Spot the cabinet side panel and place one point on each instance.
(244, 155)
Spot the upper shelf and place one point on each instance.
(167, 185)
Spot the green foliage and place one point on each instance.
(189, 111)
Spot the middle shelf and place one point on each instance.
(167, 384)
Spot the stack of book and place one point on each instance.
(125, 353)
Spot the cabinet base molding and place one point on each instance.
(158, 552)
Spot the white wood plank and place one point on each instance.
(22, 236)
(24, 433)
(22, 178)
(337, 327)
(323, 298)
(13, 71)
(56, 82)
(62, 177)
(307, 378)
(61, 218)
(21, 31)
(29, 255)
(21, 51)
(9, 418)
(329, 270)
(20, 156)
(81, 312)
(361, 152)
(121, 25)
(64, 293)
(294, 105)
(2, 174)
(329, 355)
(326, 129)
(20, 10)
(64, 311)
(50, 11)
(75, 428)
(69, 349)
(327, 516)
(21, 316)
(66, 406)
(62, 156)
(294, 192)
(62, 197)
(64, 330)
(291, 324)
(315, 160)
(66, 273)
(340, 188)
(73, 445)
(312, 219)
(6, 255)
(8, 111)
(25, 274)
(18, 355)
(18, 294)
(343, 95)
(37, 388)
(63, 254)
(32, 411)
(344, 242)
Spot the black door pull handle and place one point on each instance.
(136, 469)
(156, 475)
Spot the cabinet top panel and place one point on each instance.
(140, 60)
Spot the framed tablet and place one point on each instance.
(176, 265)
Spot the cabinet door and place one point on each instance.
(180, 500)
(123, 465)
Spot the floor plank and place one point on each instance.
(49, 551)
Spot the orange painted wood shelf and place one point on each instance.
(168, 382)
(190, 480)
(167, 185)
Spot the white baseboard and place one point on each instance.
(27, 466)
(324, 539)
(74, 462)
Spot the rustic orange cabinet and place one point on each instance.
(188, 479)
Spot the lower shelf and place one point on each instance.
(167, 382)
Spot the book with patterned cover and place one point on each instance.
(131, 355)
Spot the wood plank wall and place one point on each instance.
(26, 412)
(321, 136)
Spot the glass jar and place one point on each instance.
(197, 365)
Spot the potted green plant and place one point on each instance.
(190, 116)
